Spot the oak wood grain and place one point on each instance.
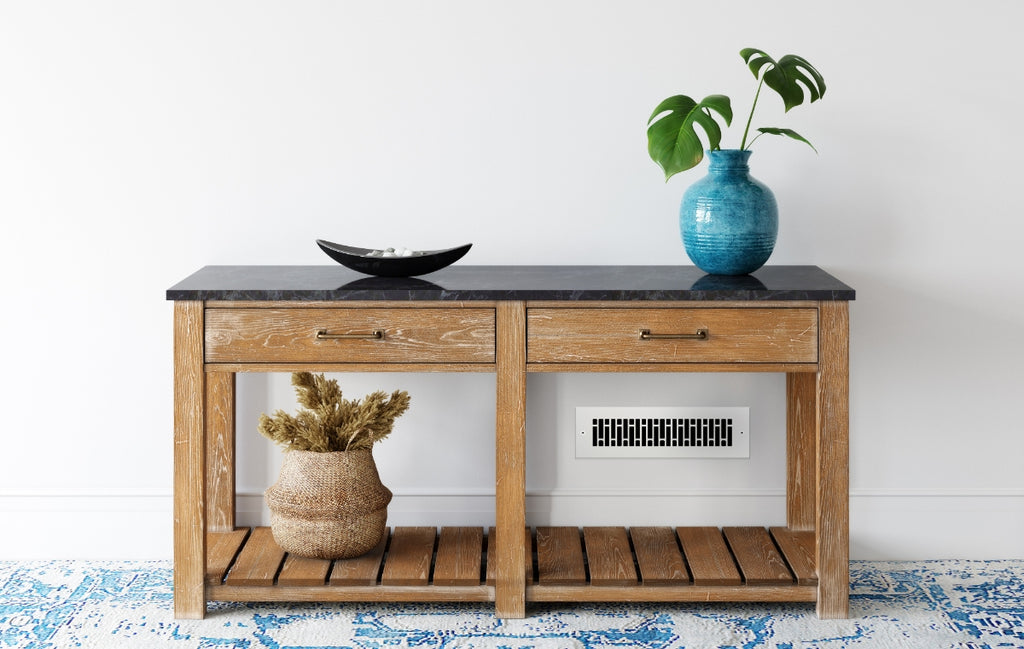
(688, 593)
(801, 431)
(303, 571)
(459, 556)
(220, 451)
(560, 556)
(355, 304)
(221, 549)
(409, 335)
(677, 304)
(754, 335)
(832, 552)
(780, 337)
(258, 562)
(510, 457)
(409, 557)
(797, 546)
(362, 570)
(711, 563)
(310, 366)
(609, 556)
(658, 555)
(492, 548)
(428, 593)
(624, 368)
(189, 463)
(759, 561)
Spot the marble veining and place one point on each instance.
(469, 283)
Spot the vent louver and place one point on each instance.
(697, 432)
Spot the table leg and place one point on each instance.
(189, 462)
(510, 471)
(220, 451)
(832, 547)
(801, 426)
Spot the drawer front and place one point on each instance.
(732, 335)
(347, 335)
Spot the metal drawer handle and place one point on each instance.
(702, 334)
(376, 334)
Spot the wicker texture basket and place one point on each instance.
(328, 505)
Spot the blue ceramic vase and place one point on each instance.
(729, 221)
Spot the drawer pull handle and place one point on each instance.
(702, 334)
(376, 334)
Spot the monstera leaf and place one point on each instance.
(789, 76)
(788, 132)
(672, 138)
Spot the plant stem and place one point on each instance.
(743, 143)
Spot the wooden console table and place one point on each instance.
(514, 320)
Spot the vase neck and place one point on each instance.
(729, 161)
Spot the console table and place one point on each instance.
(513, 320)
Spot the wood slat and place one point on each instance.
(560, 556)
(759, 560)
(362, 570)
(492, 547)
(258, 561)
(459, 555)
(680, 593)
(798, 550)
(710, 561)
(609, 556)
(221, 548)
(303, 571)
(363, 594)
(409, 557)
(658, 555)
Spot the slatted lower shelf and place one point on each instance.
(564, 563)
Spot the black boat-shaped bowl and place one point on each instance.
(364, 260)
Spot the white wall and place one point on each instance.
(141, 140)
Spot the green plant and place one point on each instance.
(331, 422)
(672, 139)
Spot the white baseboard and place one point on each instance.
(95, 524)
(885, 524)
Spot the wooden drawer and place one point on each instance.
(612, 335)
(407, 335)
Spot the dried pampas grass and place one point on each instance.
(330, 422)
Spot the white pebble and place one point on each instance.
(393, 252)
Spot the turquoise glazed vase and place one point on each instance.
(729, 221)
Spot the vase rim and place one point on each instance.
(729, 160)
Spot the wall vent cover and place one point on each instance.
(662, 432)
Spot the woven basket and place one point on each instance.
(328, 505)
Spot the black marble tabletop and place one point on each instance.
(466, 283)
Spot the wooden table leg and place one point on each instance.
(801, 427)
(189, 462)
(832, 546)
(510, 472)
(220, 451)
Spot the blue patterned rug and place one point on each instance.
(927, 605)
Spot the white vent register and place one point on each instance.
(662, 432)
